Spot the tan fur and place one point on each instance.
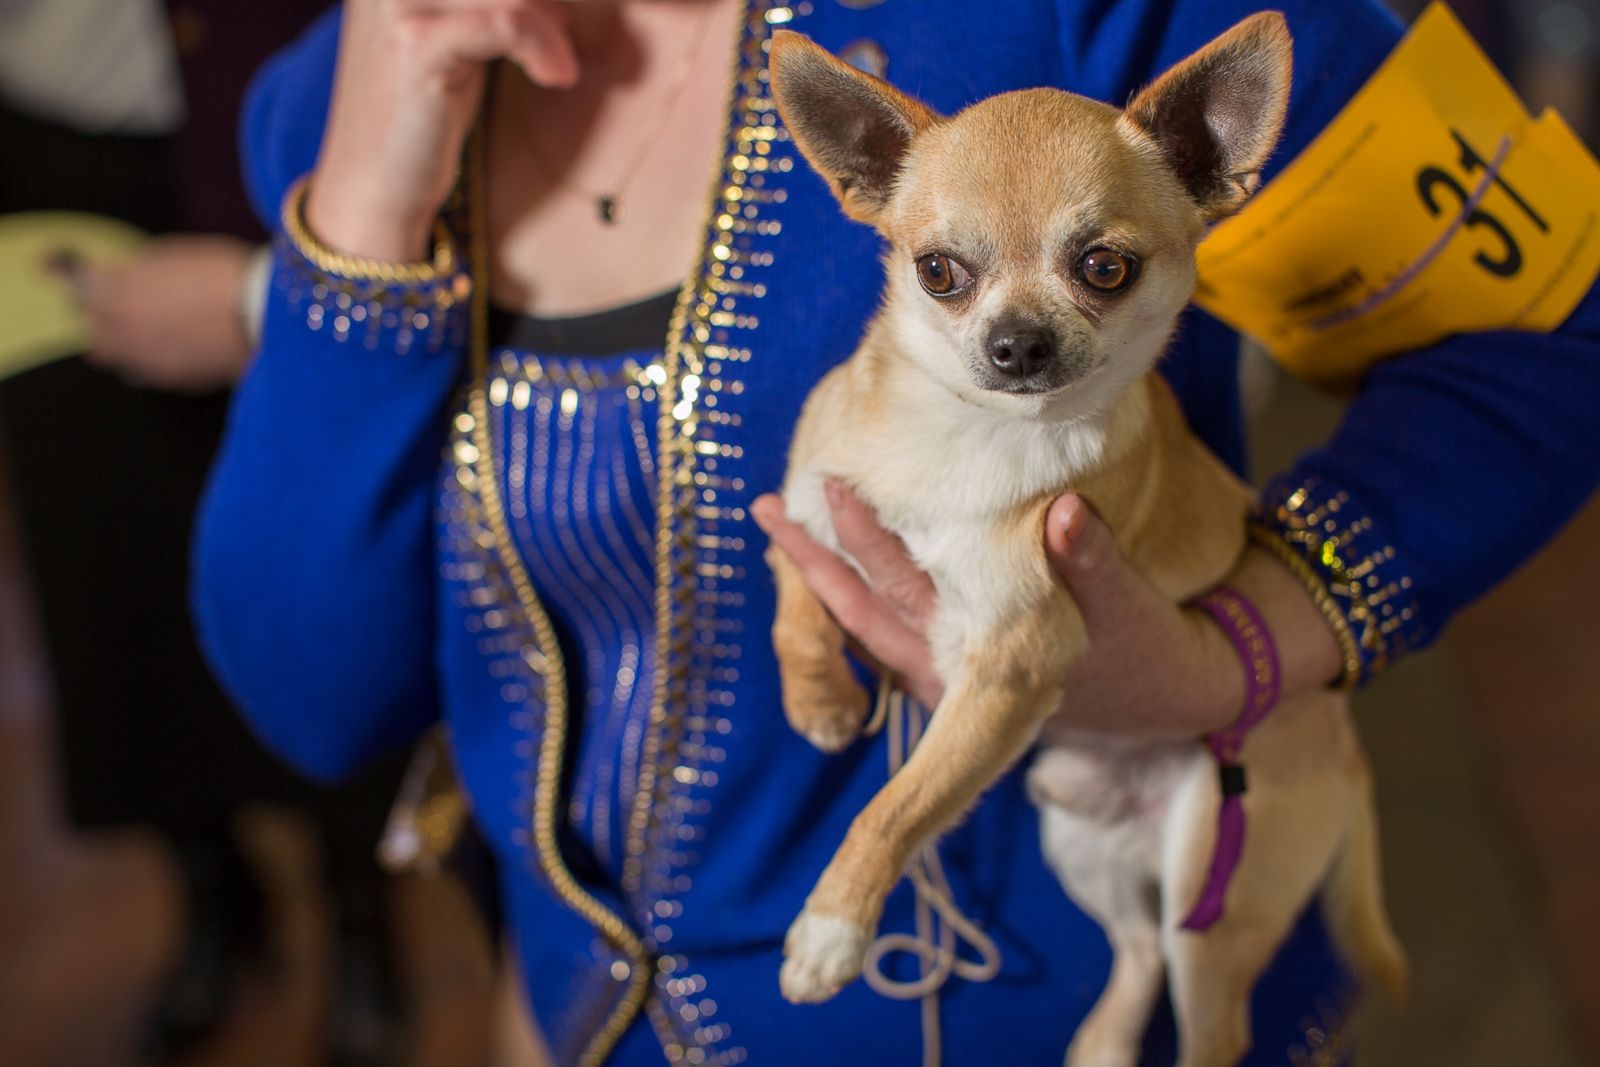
(964, 471)
(824, 703)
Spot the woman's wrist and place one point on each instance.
(385, 305)
(362, 228)
(1219, 683)
(436, 269)
(1308, 649)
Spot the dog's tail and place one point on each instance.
(1352, 900)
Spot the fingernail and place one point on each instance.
(761, 510)
(833, 489)
(1072, 514)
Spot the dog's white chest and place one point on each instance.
(980, 586)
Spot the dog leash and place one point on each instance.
(939, 922)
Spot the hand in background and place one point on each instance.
(170, 318)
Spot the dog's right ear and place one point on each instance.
(852, 127)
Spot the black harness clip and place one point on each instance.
(1231, 777)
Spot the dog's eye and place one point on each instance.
(942, 276)
(1106, 270)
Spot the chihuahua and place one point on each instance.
(1040, 248)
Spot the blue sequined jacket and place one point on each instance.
(403, 526)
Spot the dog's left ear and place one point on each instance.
(853, 128)
(1216, 116)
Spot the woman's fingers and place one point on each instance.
(889, 567)
(531, 33)
(1083, 552)
(543, 48)
(839, 587)
(845, 594)
(478, 36)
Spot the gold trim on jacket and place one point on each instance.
(697, 365)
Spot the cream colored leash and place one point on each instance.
(939, 922)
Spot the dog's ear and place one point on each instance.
(852, 127)
(1216, 116)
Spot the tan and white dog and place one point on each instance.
(1040, 248)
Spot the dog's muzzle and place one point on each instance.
(1023, 358)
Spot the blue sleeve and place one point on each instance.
(283, 115)
(314, 581)
(1452, 464)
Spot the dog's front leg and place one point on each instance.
(989, 716)
(821, 697)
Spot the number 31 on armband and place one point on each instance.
(1433, 204)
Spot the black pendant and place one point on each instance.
(608, 209)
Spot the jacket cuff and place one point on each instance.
(396, 307)
(1363, 582)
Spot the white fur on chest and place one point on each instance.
(944, 477)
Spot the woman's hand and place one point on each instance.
(1152, 668)
(410, 78)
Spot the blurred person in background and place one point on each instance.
(147, 912)
(95, 117)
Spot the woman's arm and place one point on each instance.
(314, 565)
(1450, 468)
(1452, 464)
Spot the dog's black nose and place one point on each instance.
(1019, 349)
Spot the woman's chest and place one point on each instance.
(574, 455)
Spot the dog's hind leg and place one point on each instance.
(1212, 976)
(1352, 899)
(1295, 815)
(1121, 900)
(1111, 1033)
(1104, 855)
(821, 696)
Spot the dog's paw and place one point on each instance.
(821, 954)
(829, 733)
(830, 718)
(825, 705)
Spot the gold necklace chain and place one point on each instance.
(608, 204)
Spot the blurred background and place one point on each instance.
(137, 814)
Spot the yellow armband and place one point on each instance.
(1433, 204)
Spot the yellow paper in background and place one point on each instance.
(1433, 204)
(39, 321)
